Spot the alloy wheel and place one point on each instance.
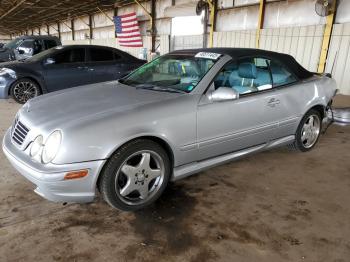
(24, 90)
(310, 131)
(140, 177)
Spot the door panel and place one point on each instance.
(288, 95)
(69, 70)
(62, 76)
(104, 64)
(287, 111)
(103, 71)
(225, 127)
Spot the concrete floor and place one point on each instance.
(273, 206)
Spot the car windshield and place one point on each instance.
(13, 44)
(173, 73)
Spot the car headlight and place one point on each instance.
(10, 72)
(51, 147)
(36, 146)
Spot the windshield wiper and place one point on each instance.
(160, 89)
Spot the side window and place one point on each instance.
(26, 47)
(263, 80)
(281, 75)
(249, 75)
(50, 44)
(117, 56)
(38, 47)
(76, 55)
(27, 44)
(101, 55)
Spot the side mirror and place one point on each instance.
(21, 51)
(223, 94)
(49, 61)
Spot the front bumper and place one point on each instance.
(5, 84)
(49, 179)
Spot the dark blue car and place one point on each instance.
(63, 67)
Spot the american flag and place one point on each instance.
(127, 30)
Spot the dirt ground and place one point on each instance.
(273, 206)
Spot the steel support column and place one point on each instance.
(212, 18)
(59, 30)
(72, 28)
(327, 38)
(153, 25)
(151, 16)
(91, 30)
(260, 22)
(114, 15)
(205, 31)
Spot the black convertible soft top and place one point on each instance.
(237, 53)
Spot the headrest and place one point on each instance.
(247, 70)
(231, 67)
(276, 68)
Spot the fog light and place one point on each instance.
(76, 174)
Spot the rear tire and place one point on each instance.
(24, 89)
(308, 132)
(135, 176)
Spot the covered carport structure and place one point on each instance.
(319, 43)
(272, 206)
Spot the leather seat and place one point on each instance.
(230, 73)
(280, 75)
(247, 73)
(264, 78)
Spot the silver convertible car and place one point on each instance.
(175, 116)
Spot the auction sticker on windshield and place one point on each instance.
(208, 55)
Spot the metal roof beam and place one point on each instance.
(12, 9)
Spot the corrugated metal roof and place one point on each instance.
(20, 15)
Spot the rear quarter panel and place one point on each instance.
(298, 99)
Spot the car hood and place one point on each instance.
(12, 64)
(89, 102)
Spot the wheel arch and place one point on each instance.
(164, 144)
(319, 108)
(26, 77)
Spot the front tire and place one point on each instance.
(24, 89)
(135, 176)
(308, 132)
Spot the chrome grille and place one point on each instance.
(19, 132)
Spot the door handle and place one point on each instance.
(273, 102)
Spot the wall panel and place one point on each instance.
(339, 57)
(304, 43)
(112, 42)
(164, 44)
(186, 42)
(245, 38)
